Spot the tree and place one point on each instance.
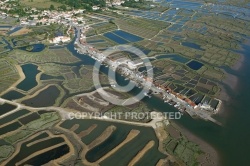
(52, 7)
(63, 7)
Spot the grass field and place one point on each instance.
(39, 3)
(5, 151)
(60, 55)
(181, 147)
(46, 120)
(9, 74)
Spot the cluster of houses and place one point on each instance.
(48, 17)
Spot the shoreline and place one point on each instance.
(210, 156)
(232, 80)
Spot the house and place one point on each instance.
(59, 39)
(95, 7)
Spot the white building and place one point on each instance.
(60, 39)
(95, 7)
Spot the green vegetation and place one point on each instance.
(104, 27)
(46, 120)
(6, 151)
(82, 4)
(182, 149)
(136, 108)
(141, 27)
(103, 43)
(95, 34)
(178, 76)
(55, 69)
(3, 47)
(141, 4)
(18, 136)
(74, 81)
(84, 82)
(61, 55)
(42, 4)
(9, 74)
(49, 31)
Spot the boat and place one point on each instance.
(166, 101)
(146, 94)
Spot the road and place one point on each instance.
(135, 76)
(66, 114)
(62, 111)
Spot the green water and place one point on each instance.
(13, 116)
(13, 95)
(110, 143)
(48, 156)
(9, 128)
(42, 99)
(25, 151)
(29, 118)
(232, 140)
(6, 108)
(125, 154)
(29, 82)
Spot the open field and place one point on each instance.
(46, 120)
(208, 41)
(8, 21)
(9, 74)
(6, 151)
(84, 81)
(60, 55)
(182, 79)
(21, 32)
(39, 3)
(94, 103)
(141, 27)
(100, 42)
(181, 41)
(104, 27)
(179, 146)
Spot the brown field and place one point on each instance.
(73, 128)
(146, 148)
(132, 134)
(105, 134)
(39, 3)
(86, 132)
(21, 32)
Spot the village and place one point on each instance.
(75, 22)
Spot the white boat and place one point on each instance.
(146, 94)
